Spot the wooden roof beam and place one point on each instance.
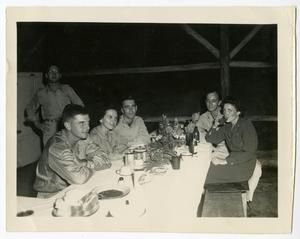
(153, 69)
(250, 64)
(34, 49)
(171, 68)
(245, 41)
(201, 40)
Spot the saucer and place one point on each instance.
(119, 171)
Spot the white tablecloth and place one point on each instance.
(175, 194)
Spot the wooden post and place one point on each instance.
(224, 61)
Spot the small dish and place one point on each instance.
(159, 170)
(111, 191)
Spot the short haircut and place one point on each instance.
(233, 101)
(46, 74)
(71, 110)
(53, 66)
(127, 98)
(213, 92)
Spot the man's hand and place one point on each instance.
(44, 127)
(90, 164)
(216, 124)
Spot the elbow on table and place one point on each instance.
(80, 180)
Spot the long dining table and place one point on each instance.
(164, 196)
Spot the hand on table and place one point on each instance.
(217, 161)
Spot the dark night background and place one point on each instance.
(86, 48)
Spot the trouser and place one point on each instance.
(253, 181)
(49, 129)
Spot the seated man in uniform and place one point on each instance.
(207, 119)
(60, 164)
(130, 126)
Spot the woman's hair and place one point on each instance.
(233, 101)
(107, 109)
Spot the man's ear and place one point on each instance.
(122, 110)
(220, 102)
(67, 125)
(238, 113)
(136, 107)
(100, 121)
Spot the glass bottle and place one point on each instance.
(196, 134)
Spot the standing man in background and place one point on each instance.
(49, 102)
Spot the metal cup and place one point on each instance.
(175, 161)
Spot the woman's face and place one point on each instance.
(230, 113)
(110, 119)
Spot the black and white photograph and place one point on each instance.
(161, 125)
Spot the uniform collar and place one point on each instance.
(123, 121)
(49, 90)
(102, 132)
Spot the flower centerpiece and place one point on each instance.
(168, 136)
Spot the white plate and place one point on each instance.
(71, 206)
(128, 209)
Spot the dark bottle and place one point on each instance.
(186, 123)
(191, 146)
(189, 138)
(196, 134)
